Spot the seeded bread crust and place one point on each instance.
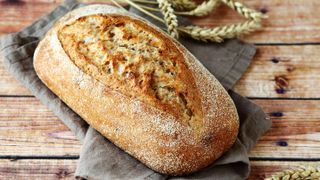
(139, 88)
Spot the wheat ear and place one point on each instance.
(183, 4)
(243, 10)
(169, 17)
(219, 33)
(202, 10)
(299, 173)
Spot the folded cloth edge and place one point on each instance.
(58, 103)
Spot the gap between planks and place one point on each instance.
(251, 98)
(290, 21)
(57, 169)
(28, 128)
(45, 157)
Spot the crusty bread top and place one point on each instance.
(152, 121)
(129, 56)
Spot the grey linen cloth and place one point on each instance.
(99, 158)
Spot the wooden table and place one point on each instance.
(284, 78)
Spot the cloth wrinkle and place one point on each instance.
(99, 158)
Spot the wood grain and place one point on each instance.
(276, 71)
(15, 15)
(64, 169)
(290, 21)
(29, 128)
(37, 169)
(295, 132)
(8, 84)
(282, 71)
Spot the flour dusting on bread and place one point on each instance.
(127, 56)
(139, 88)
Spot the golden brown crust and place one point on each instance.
(127, 55)
(149, 128)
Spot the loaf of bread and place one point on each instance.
(139, 88)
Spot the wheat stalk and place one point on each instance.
(183, 4)
(146, 2)
(203, 9)
(118, 5)
(300, 173)
(219, 33)
(243, 10)
(144, 11)
(169, 17)
(149, 8)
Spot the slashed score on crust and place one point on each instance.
(127, 56)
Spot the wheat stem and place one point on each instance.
(202, 10)
(145, 2)
(118, 5)
(169, 17)
(149, 8)
(243, 10)
(176, 4)
(145, 11)
(219, 33)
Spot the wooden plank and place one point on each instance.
(29, 128)
(64, 169)
(37, 169)
(295, 132)
(282, 71)
(8, 84)
(12, 13)
(290, 21)
(264, 169)
(15, 15)
(276, 71)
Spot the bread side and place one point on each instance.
(139, 88)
